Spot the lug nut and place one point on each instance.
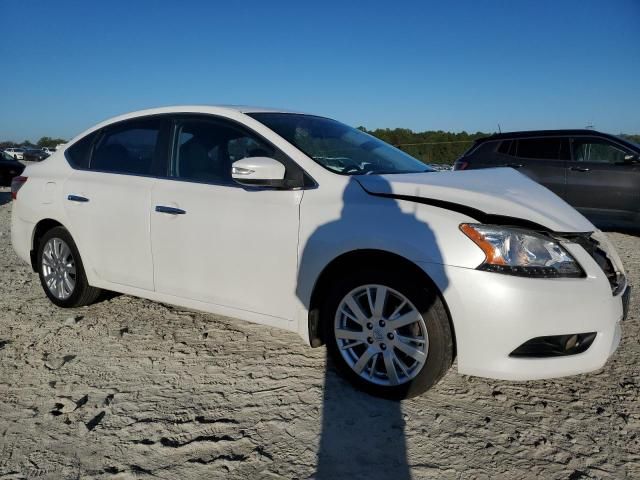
(383, 346)
(370, 325)
(381, 323)
(390, 336)
(370, 340)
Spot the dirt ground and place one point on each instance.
(128, 388)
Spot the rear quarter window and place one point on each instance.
(79, 153)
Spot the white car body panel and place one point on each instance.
(500, 191)
(229, 237)
(256, 254)
(113, 226)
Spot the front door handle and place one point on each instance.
(513, 165)
(77, 198)
(169, 210)
(580, 169)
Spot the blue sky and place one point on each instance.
(454, 65)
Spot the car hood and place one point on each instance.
(482, 194)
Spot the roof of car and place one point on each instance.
(541, 133)
(209, 108)
(230, 110)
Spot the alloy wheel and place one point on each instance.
(58, 268)
(381, 335)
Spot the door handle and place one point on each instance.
(169, 210)
(77, 198)
(513, 165)
(579, 169)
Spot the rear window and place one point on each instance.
(544, 148)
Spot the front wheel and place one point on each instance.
(387, 334)
(61, 271)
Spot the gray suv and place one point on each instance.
(597, 173)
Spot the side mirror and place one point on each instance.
(631, 158)
(258, 172)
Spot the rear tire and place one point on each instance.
(61, 270)
(426, 345)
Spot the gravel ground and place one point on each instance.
(129, 388)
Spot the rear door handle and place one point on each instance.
(579, 169)
(169, 210)
(77, 198)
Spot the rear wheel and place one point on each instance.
(61, 271)
(387, 334)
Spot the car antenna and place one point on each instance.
(499, 129)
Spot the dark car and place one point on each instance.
(597, 173)
(9, 168)
(34, 155)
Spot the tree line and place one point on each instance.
(43, 142)
(438, 146)
(430, 146)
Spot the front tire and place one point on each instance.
(387, 333)
(61, 270)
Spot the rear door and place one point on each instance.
(108, 199)
(543, 159)
(601, 184)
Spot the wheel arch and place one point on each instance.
(356, 259)
(42, 227)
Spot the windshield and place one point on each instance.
(338, 147)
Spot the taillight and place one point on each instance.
(459, 165)
(16, 184)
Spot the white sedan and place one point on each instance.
(15, 153)
(303, 223)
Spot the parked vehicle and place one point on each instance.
(14, 152)
(9, 168)
(48, 151)
(303, 223)
(34, 155)
(597, 173)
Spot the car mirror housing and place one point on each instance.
(259, 172)
(631, 158)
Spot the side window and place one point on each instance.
(206, 149)
(543, 148)
(507, 147)
(133, 147)
(596, 150)
(79, 153)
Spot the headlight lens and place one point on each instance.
(521, 252)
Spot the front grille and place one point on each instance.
(592, 247)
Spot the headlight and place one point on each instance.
(521, 252)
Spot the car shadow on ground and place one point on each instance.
(361, 436)
(5, 197)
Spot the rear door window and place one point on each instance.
(555, 148)
(135, 147)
